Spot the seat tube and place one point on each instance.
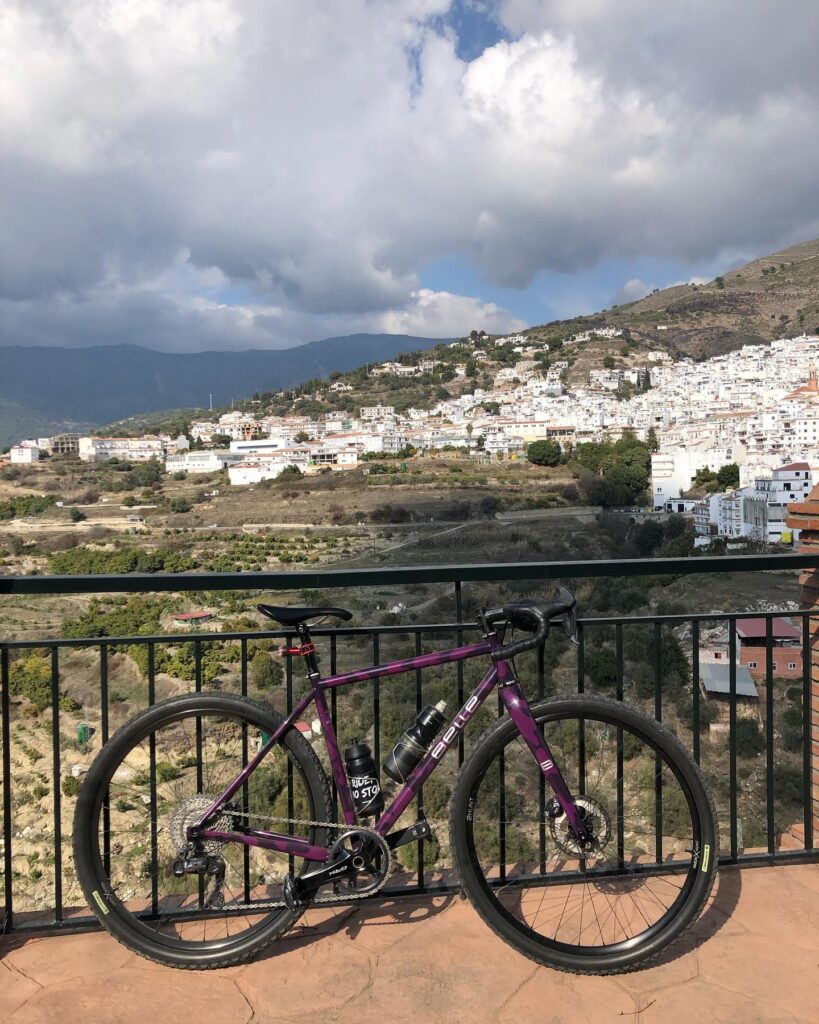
(521, 714)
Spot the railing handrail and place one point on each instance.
(324, 579)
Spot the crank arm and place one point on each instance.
(343, 867)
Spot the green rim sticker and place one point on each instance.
(100, 902)
(706, 850)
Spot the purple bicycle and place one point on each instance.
(582, 831)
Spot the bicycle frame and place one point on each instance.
(500, 673)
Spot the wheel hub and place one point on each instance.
(598, 825)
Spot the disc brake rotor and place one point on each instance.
(597, 821)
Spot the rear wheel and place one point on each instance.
(651, 868)
(177, 757)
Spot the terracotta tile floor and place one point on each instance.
(753, 957)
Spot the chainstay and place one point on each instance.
(339, 898)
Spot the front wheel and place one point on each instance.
(604, 910)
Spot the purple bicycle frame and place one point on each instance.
(513, 697)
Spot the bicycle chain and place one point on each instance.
(346, 897)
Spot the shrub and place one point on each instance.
(70, 786)
(750, 741)
(543, 453)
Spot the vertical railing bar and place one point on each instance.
(288, 675)
(621, 839)
(55, 752)
(581, 725)
(695, 686)
(419, 703)
(334, 712)
(459, 669)
(245, 787)
(769, 732)
(104, 725)
(152, 779)
(658, 761)
(541, 781)
(377, 703)
(5, 702)
(732, 733)
(197, 683)
(807, 732)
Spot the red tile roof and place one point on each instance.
(755, 629)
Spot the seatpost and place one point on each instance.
(308, 652)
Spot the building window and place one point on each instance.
(751, 664)
(791, 664)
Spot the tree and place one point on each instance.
(728, 476)
(543, 453)
(651, 440)
(265, 673)
(302, 436)
(608, 362)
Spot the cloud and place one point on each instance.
(162, 157)
(632, 291)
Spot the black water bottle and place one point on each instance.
(366, 789)
(413, 744)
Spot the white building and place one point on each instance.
(673, 468)
(377, 412)
(210, 461)
(24, 453)
(127, 449)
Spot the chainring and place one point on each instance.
(374, 854)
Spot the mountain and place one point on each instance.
(772, 297)
(43, 389)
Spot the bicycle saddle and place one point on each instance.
(294, 616)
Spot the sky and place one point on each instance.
(233, 174)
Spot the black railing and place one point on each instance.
(630, 657)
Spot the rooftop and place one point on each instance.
(433, 958)
(716, 678)
(782, 629)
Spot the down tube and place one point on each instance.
(431, 760)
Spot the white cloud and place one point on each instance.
(632, 291)
(316, 157)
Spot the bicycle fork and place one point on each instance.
(521, 714)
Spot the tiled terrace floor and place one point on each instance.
(753, 957)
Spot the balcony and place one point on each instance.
(96, 674)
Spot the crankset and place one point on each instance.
(357, 865)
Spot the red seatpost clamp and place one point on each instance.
(303, 650)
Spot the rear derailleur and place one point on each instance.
(193, 860)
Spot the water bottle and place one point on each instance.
(413, 744)
(366, 789)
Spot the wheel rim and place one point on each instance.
(132, 855)
(594, 906)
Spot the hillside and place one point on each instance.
(49, 388)
(770, 297)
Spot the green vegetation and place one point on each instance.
(725, 478)
(93, 561)
(613, 473)
(544, 453)
(26, 505)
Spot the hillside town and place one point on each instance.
(756, 408)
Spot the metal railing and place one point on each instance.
(751, 836)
